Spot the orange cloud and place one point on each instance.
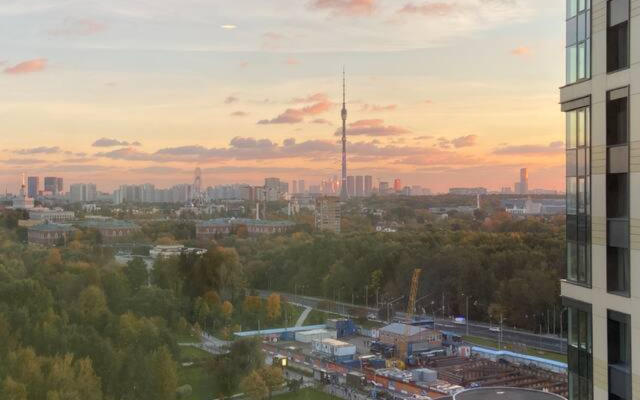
(373, 128)
(292, 61)
(239, 114)
(428, 9)
(346, 7)
(521, 51)
(26, 67)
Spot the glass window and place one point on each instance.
(578, 32)
(617, 35)
(579, 352)
(619, 355)
(572, 188)
(572, 124)
(572, 261)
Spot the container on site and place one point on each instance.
(356, 379)
(334, 348)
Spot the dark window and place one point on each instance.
(579, 350)
(617, 35)
(619, 355)
(617, 196)
(617, 121)
(617, 270)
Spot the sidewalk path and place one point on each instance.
(303, 316)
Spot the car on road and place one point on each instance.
(494, 328)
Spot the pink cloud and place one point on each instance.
(522, 51)
(79, 27)
(296, 115)
(346, 7)
(230, 99)
(531, 149)
(292, 61)
(373, 128)
(316, 97)
(378, 108)
(25, 67)
(428, 9)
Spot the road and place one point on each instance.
(480, 329)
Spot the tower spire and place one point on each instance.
(344, 194)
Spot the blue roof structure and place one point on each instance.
(522, 357)
(244, 221)
(278, 331)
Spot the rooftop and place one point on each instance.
(399, 329)
(505, 394)
(277, 331)
(52, 228)
(244, 221)
(107, 223)
(335, 343)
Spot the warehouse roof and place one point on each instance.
(335, 343)
(48, 227)
(277, 331)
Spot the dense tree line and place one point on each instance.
(494, 269)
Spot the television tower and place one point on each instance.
(344, 195)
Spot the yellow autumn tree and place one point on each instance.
(274, 310)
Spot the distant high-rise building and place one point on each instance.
(284, 187)
(272, 183)
(351, 186)
(197, 183)
(359, 186)
(397, 185)
(506, 190)
(81, 192)
(59, 185)
(524, 181)
(301, 186)
(328, 215)
(33, 185)
(383, 188)
(294, 185)
(50, 184)
(368, 185)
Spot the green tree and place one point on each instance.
(272, 377)
(254, 387)
(137, 274)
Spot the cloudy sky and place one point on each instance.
(440, 92)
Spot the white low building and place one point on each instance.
(315, 334)
(51, 215)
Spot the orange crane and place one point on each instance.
(411, 306)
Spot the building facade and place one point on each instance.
(83, 192)
(416, 337)
(603, 181)
(49, 234)
(206, 230)
(368, 185)
(51, 215)
(328, 214)
(111, 230)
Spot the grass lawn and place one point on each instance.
(529, 351)
(317, 317)
(190, 353)
(187, 338)
(305, 394)
(200, 382)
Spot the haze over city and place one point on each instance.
(129, 93)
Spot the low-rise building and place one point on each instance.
(225, 226)
(48, 234)
(416, 337)
(51, 215)
(111, 230)
(171, 250)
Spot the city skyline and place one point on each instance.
(252, 100)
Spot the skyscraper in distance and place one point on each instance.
(524, 181)
(33, 185)
(397, 185)
(301, 186)
(368, 185)
(344, 195)
(351, 186)
(359, 186)
(294, 187)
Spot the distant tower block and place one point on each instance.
(197, 182)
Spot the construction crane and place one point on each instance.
(403, 344)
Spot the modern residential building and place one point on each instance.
(368, 185)
(206, 230)
(33, 186)
(294, 189)
(301, 186)
(524, 181)
(49, 234)
(603, 170)
(328, 214)
(53, 185)
(359, 186)
(82, 192)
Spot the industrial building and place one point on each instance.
(315, 334)
(334, 349)
(111, 230)
(416, 337)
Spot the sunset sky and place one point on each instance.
(440, 93)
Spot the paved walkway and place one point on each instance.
(303, 316)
